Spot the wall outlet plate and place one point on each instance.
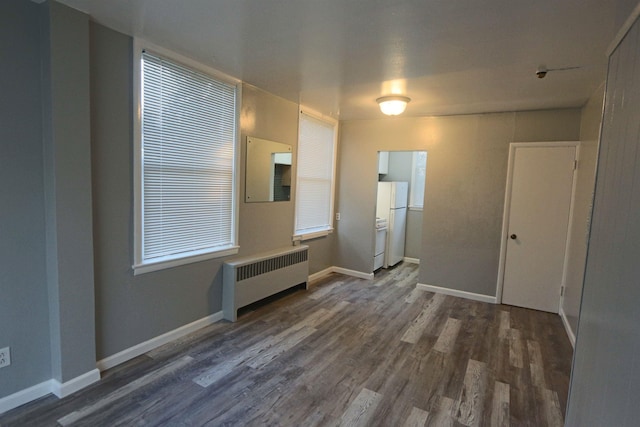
(5, 357)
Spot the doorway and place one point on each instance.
(406, 171)
(538, 205)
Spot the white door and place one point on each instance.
(538, 200)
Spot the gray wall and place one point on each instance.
(46, 250)
(399, 166)
(466, 178)
(604, 384)
(132, 309)
(24, 310)
(266, 225)
(413, 238)
(67, 175)
(268, 117)
(585, 181)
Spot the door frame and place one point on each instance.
(507, 211)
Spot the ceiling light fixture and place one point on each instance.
(393, 105)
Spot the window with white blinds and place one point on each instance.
(315, 178)
(187, 165)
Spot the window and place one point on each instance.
(315, 180)
(418, 176)
(185, 198)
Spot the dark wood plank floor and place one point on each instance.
(348, 352)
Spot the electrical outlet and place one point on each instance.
(337, 216)
(5, 357)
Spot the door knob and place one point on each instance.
(513, 237)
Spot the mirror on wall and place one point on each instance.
(268, 175)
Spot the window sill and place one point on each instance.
(175, 262)
(312, 235)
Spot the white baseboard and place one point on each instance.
(353, 273)
(457, 293)
(340, 270)
(320, 274)
(47, 387)
(143, 347)
(65, 389)
(567, 327)
(78, 383)
(411, 260)
(25, 396)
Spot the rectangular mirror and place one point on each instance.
(268, 175)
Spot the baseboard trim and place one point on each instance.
(353, 273)
(25, 396)
(78, 383)
(411, 260)
(327, 271)
(47, 387)
(65, 389)
(457, 293)
(143, 347)
(320, 274)
(567, 327)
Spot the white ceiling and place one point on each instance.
(338, 56)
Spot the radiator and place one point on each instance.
(250, 279)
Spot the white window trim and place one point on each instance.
(312, 234)
(319, 232)
(139, 266)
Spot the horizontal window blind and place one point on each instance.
(188, 124)
(315, 175)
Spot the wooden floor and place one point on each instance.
(348, 352)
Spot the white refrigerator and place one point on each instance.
(392, 205)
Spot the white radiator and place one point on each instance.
(250, 279)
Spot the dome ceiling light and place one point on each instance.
(393, 105)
